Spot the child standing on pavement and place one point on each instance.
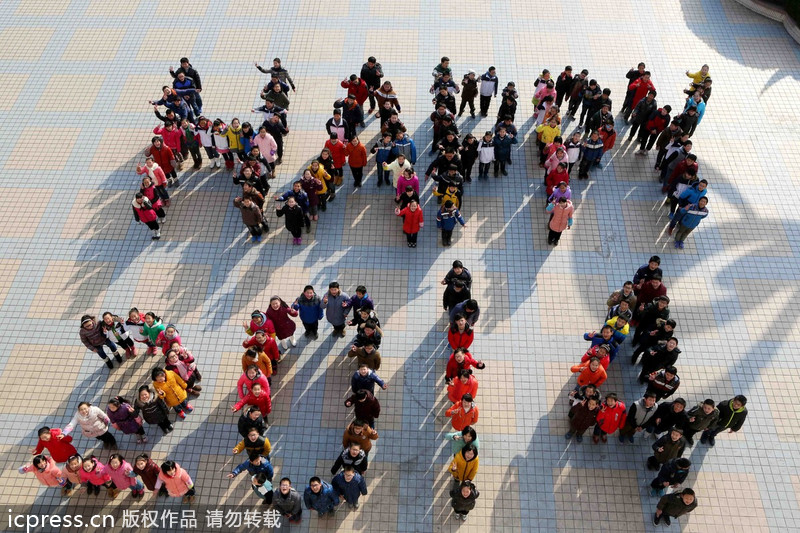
(308, 305)
(294, 218)
(412, 221)
(446, 221)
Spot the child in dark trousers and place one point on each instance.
(308, 305)
(294, 219)
(463, 499)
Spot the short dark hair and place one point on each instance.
(314, 479)
(741, 398)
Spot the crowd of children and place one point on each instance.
(660, 413)
(641, 302)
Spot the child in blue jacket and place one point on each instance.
(446, 221)
(693, 214)
(383, 154)
(592, 152)
(310, 308)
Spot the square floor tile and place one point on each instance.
(70, 289)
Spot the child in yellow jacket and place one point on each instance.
(172, 389)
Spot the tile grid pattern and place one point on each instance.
(76, 250)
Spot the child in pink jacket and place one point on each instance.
(156, 174)
(176, 480)
(94, 475)
(167, 337)
(45, 470)
(123, 477)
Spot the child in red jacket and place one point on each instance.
(608, 135)
(413, 221)
(611, 418)
(338, 152)
(59, 445)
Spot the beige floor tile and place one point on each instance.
(9, 267)
(93, 44)
(74, 288)
(136, 92)
(24, 43)
(36, 8)
(485, 227)
(316, 94)
(193, 216)
(176, 293)
(571, 304)
(95, 214)
(11, 86)
(748, 513)
(607, 491)
(165, 44)
(316, 46)
(166, 8)
(9, 226)
(83, 91)
(226, 97)
(225, 48)
(491, 291)
(40, 401)
(758, 299)
(244, 8)
(26, 151)
(101, 8)
(122, 148)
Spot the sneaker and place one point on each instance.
(254, 239)
(680, 245)
(139, 440)
(308, 229)
(689, 441)
(118, 357)
(504, 172)
(472, 115)
(603, 438)
(656, 519)
(711, 441)
(410, 245)
(703, 438)
(670, 230)
(622, 439)
(356, 505)
(189, 408)
(666, 519)
(677, 245)
(380, 182)
(177, 182)
(109, 364)
(568, 435)
(630, 439)
(144, 439)
(169, 429)
(459, 114)
(293, 341)
(579, 438)
(181, 415)
(595, 439)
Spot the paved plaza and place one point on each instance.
(75, 78)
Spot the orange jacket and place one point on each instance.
(586, 375)
(461, 418)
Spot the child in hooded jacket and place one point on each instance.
(45, 470)
(159, 179)
(413, 221)
(166, 337)
(172, 389)
(280, 313)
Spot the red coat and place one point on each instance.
(610, 420)
(358, 89)
(461, 340)
(453, 367)
(608, 138)
(593, 352)
(144, 213)
(263, 402)
(338, 152)
(270, 347)
(163, 157)
(172, 138)
(647, 293)
(60, 450)
(554, 178)
(284, 325)
(356, 155)
(642, 88)
(413, 220)
(658, 123)
(459, 389)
